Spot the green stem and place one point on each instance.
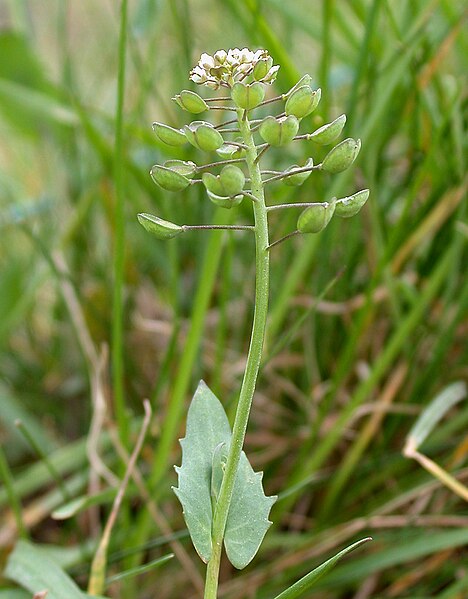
(253, 359)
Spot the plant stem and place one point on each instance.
(253, 359)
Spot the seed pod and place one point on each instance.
(249, 95)
(315, 218)
(227, 150)
(347, 207)
(278, 132)
(191, 102)
(304, 80)
(341, 156)
(163, 229)
(203, 136)
(186, 168)
(169, 135)
(298, 178)
(224, 201)
(168, 178)
(329, 132)
(261, 68)
(302, 101)
(229, 182)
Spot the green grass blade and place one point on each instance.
(305, 583)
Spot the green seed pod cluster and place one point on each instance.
(241, 142)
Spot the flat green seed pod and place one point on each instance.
(227, 150)
(232, 180)
(328, 133)
(168, 178)
(261, 68)
(224, 201)
(212, 183)
(203, 136)
(163, 229)
(278, 131)
(302, 101)
(315, 218)
(298, 178)
(191, 102)
(184, 167)
(169, 135)
(349, 206)
(247, 95)
(341, 156)
(304, 80)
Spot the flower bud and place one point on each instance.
(169, 135)
(249, 95)
(230, 182)
(163, 229)
(298, 178)
(347, 207)
(168, 178)
(329, 132)
(223, 201)
(316, 217)
(278, 132)
(262, 67)
(186, 168)
(303, 101)
(341, 156)
(191, 102)
(203, 136)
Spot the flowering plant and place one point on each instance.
(222, 497)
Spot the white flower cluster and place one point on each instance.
(225, 68)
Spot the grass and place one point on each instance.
(367, 322)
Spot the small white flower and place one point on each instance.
(220, 56)
(225, 68)
(206, 61)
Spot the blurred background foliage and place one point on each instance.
(368, 319)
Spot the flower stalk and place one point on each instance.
(262, 263)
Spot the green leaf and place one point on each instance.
(79, 504)
(14, 594)
(141, 569)
(33, 569)
(207, 427)
(247, 521)
(434, 412)
(204, 452)
(304, 584)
